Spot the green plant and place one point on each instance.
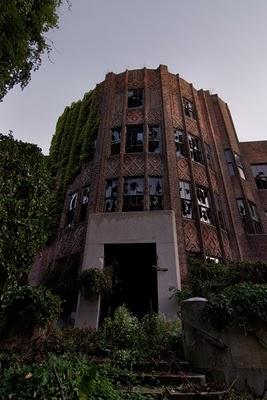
(94, 281)
(244, 303)
(121, 331)
(27, 307)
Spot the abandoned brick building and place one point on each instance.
(168, 178)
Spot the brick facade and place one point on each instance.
(227, 236)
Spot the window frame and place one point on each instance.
(134, 100)
(189, 108)
(113, 197)
(129, 145)
(180, 145)
(203, 207)
(261, 177)
(72, 205)
(153, 140)
(115, 144)
(186, 201)
(155, 199)
(84, 204)
(133, 202)
(196, 151)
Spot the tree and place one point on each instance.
(23, 24)
(24, 202)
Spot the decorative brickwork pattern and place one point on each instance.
(112, 167)
(214, 182)
(136, 79)
(191, 237)
(155, 167)
(186, 89)
(183, 169)
(211, 241)
(70, 241)
(135, 116)
(200, 175)
(134, 165)
(191, 126)
(226, 245)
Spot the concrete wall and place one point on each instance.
(157, 227)
(231, 356)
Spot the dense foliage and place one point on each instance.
(95, 281)
(24, 202)
(73, 145)
(23, 25)
(237, 292)
(25, 308)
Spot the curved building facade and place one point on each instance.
(168, 179)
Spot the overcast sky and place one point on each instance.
(218, 45)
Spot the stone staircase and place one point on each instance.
(170, 380)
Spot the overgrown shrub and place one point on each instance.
(27, 307)
(94, 281)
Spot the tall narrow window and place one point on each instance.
(154, 139)
(115, 141)
(186, 199)
(84, 203)
(255, 218)
(203, 200)
(135, 98)
(179, 140)
(230, 161)
(260, 174)
(111, 195)
(133, 194)
(195, 149)
(243, 214)
(155, 193)
(71, 209)
(240, 166)
(189, 108)
(135, 139)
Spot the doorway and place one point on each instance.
(134, 278)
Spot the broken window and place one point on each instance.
(154, 139)
(135, 98)
(135, 139)
(203, 200)
(243, 214)
(111, 195)
(179, 142)
(186, 199)
(71, 209)
(189, 108)
(230, 161)
(260, 174)
(195, 149)
(133, 194)
(240, 166)
(212, 260)
(115, 141)
(155, 193)
(255, 218)
(84, 202)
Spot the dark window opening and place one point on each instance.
(243, 215)
(195, 149)
(260, 175)
(254, 217)
(179, 140)
(240, 166)
(189, 109)
(135, 139)
(154, 139)
(71, 209)
(203, 200)
(133, 194)
(186, 199)
(155, 193)
(135, 278)
(84, 203)
(111, 195)
(135, 98)
(230, 161)
(115, 141)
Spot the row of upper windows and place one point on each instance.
(135, 142)
(136, 99)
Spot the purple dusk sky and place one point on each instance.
(218, 45)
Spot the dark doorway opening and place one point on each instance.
(135, 278)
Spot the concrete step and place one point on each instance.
(161, 366)
(157, 379)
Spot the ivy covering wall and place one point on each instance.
(72, 146)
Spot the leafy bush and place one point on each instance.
(121, 331)
(94, 281)
(57, 378)
(245, 303)
(27, 307)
